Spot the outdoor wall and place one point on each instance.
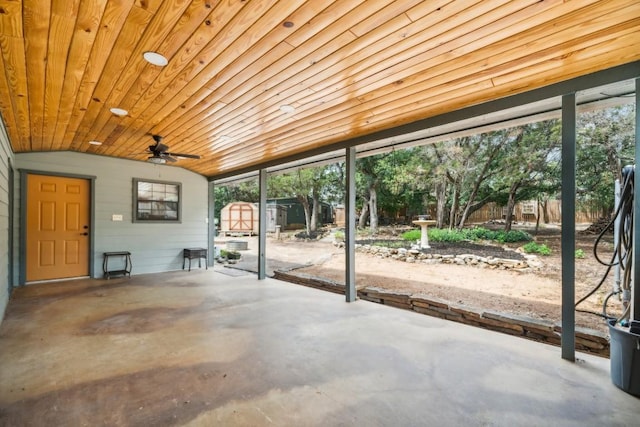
(6, 160)
(155, 247)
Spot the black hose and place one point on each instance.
(622, 250)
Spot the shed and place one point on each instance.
(240, 217)
(276, 215)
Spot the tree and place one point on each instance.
(246, 191)
(464, 166)
(531, 150)
(605, 140)
(308, 186)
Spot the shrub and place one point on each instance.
(230, 254)
(536, 248)
(338, 235)
(446, 235)
(411, 235)
(475, 233)
(579, 253)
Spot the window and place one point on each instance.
(156, 201)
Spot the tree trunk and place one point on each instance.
(373, 209)
(314, 213)
(455, 201)
(545, 211)
(304, 201)
(363, 214)
(511, 204)
(538, 217)
(441, 201)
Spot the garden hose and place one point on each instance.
(622, 251)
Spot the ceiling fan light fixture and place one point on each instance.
(288, 109)
(157, 160)
(155, 58)
(119, 111)
(95, 142)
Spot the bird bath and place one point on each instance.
(424, 237)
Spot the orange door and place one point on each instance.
(57, 227)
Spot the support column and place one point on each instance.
(635, 292)
(211, 229)
(262, 233)
(568, 339)
(350, 227)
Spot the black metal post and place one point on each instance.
(262, 229)
(350, 227)
(568, 339)
(211, 230)
(635, 293)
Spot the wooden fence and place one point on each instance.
(529, 211)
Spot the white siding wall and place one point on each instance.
(154, 247)
(6, 155)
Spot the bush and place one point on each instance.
(475, 233)
(536, 248)
(579, 253)
(338, 236)
(411, 235)
(229, 254)
(446, 235)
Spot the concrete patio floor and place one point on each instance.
(203, 348)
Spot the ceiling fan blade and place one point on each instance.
(188, 156)
(168, 158)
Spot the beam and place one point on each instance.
(350, 227)
(568, 339)
(262, 233)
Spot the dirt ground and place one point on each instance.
(534, 294)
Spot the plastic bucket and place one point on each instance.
(625, 359)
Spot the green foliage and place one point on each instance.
(604, 139)
(338, 235)
(411, 235)
(512, 236)
(476, 233)
(580, 254)
(446, 235)
(230, 254)
(537, 248)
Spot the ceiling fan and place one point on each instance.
(160, 155)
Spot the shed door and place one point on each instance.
(241, 217)
(57, 234)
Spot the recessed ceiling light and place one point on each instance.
(95, 142)
(287, 24)
(287, 108)
(155, 58)
(119, 111)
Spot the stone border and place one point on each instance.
(587, 340)
(528, 264)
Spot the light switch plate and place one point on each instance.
(115, 217)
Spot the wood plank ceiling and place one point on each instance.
(348, 67)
